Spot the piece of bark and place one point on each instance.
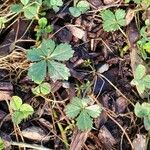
(78, 139)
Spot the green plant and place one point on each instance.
(43, 88)
(143, 111)
(47, 59)
(141, 79)
(79, 110)
(144, 43)
(54, 4)
(80, 8)
(20, 111)
(144, 3)
(1, 144)
(113, 21)
(28, 7)
(3, 20)
(42, 28)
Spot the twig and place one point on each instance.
(25, 145)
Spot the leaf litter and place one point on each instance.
(83, 84)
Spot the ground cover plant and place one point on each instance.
(75, 74)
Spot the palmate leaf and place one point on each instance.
(24, 2)
(43, 88)
(19, 111)
(75, 106)
(1, 144)
(46, 58)
(84, 121)
(113, 21)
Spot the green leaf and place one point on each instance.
(94, 110)
(24, 2)
(42, 22)
(62, 52)
(34, 54)
(146, 81)
(142, 110)
(84, 121)
(140, 72)
(43, 88)
(26, 110)
(75, 11)
(17, 117)
(72, 110)
(15, 103)
(58, 71)
(120, 17)
(44, 56)
(83, 6)
(56, 2)
(1, 144)
(111, 21)
(146, 46)
(147, 123)
(37, 72)
(140, 87)
(47, 47)
(16, 8)
(31, 11)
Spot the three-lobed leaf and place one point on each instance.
(113, 21)
(78, 108)
(1, 144)
(20, 111)
(81, 7)
(43, 88)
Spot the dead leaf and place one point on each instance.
(140, 143)
(77, 32)
(122, 104)
(109, 2)
(106, 138)
(35, 133)
(129, 16)
(5, 95)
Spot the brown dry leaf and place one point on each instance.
(107, 2)
(129, 16)
(122, 104)
(5, 95)
(77, 32)
(35, 133)
(106, 138)
(140, 143)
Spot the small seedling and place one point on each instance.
(143, 111)
(1, 144)
(43, 88)
(141, 79)
(42, 28)
(113, 21)
(54, 4)
(28, 7)
(20, 111)
(2, 22)
(47, 60)
(79, 110)
(80, 8)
